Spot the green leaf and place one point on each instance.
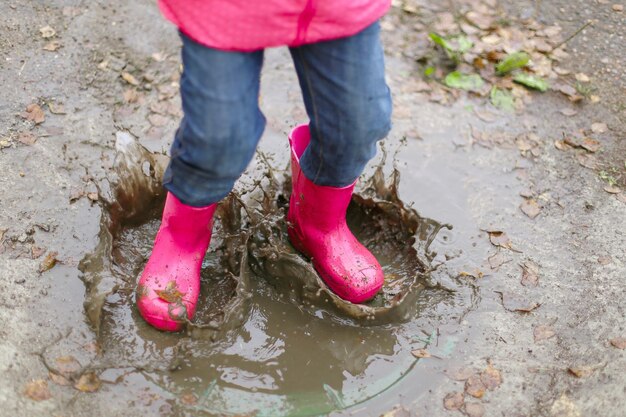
(429, 71)
(463, 81)
(464, 43)
(439, 40)
(502, 99)
(531, 81)
(512, 62)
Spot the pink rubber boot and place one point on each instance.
(318, 229)
(170, 283)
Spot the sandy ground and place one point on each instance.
(556, 360)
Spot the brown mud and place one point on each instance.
(269, 338)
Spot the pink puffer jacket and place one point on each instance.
(248, 25)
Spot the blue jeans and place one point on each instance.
(345, 95)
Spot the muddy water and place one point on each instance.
(268, 339)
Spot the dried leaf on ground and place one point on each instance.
(130, 95)
(543, 332)
(571, 93)
(34, 113)
(499, 238)
(599, 127)
(581, 371)
(48, 262)
(474, 409)
(474, 386)
(486, 116)
(496, 260)
(530, 274)
(171, 294)
(420, 353)
(56, 108)
(52, 46)
(530, 207)
(561, 145)
(27, 138)
(604, 260)
(515, 303)
(36, 252)
(568, 111)
(67, 366)
(590, 144)
(491, 377)
(37, 390)
(129, 78)
(612, 189)
(93, 196)
(619, 342)
(59, 379)
(453, 401)
(88, 382)
(47, 32)
(587, 160)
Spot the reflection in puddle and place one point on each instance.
(268, 338)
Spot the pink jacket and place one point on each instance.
(248, 25)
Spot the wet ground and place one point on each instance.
(518, 314)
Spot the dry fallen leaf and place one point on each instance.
(93, 196)
(36, 252)
(47, 32)
(590, 144)
(27, 138)
(48, 262)
(59, 379)
(454, 400)
(67, 366)
(568, 111)
(491, 378)
(474, 409)
(34, 113)
(499, 238)
(474, 386)
(599, 127)
(619, 342)
(581, 371)
(170, 293)
(561, 145)
(612, 189)
(37, 390)
(420, 353)
(530, 207)
(543, 332)
(530, 274)
(88, 382)
(130, 78)
(604, 260)
(397, 412)
(52, 46)
(513, 302)
(496, 260)
(56, 108)
(587, 160)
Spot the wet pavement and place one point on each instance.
(517, 313)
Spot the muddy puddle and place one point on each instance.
(268, 338)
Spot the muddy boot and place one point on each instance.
(170, 283)
(318, 229)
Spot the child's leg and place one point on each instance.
(348, 103)
(222, 123)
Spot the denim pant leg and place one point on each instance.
(348, 103)
(221, 126)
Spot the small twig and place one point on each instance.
(580, 29)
